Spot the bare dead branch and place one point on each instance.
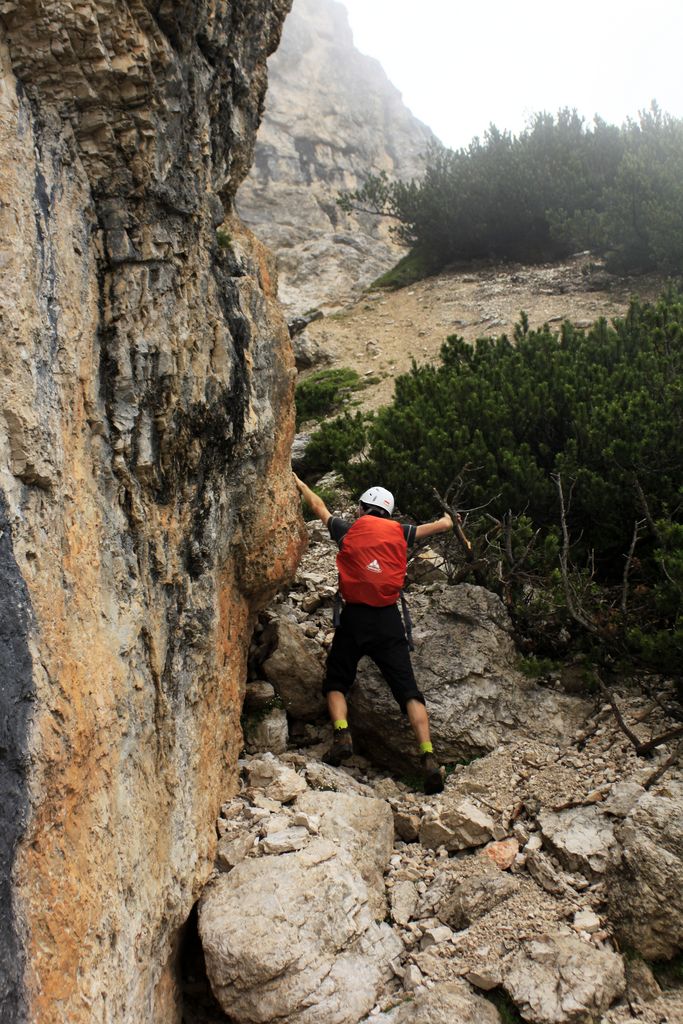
(478, 566)
(642, 500)
(507, 519)
(594, 797)
(637, 526)
(640, 748)
(664, 766)
(665, 737)
(457, 526)
(618, 715)
(671, 709)
(529, 548)
(574, 610)
(668, 575)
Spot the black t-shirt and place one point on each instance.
(338, 527)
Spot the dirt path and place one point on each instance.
(381, 332)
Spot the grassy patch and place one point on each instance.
(533, 668)
(223, 238)
(413, 267)
(325, 392)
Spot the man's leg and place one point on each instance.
(391, 654)
(340, 673)
(419, 720)
(342, 744)
(336, 705)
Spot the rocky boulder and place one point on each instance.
(447, 1003)
(291, 936)
(646, 887)
(558, 979)
(289, 928)
(465, 664)
(364, 828)
(582, 838)
(457, 825)
(294, 669)
(308, 352)
(476, 896)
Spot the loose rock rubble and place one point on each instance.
(542, 860)
(310, 862)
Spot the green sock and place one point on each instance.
(426, 748)
(341, 723)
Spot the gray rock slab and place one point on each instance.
(266, 732)
(622, 798)
(278, 781)
(294, 669)
(291, 937)
(457, 826)
(465, 663)
(451, 1002)
(404, 897)
(476, 897)
(363, 827)
(323, 777)
(646, 889)
(231, 851)
(559, 979)
(582, 838)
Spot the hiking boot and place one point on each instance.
(431, 774)
(341, 749)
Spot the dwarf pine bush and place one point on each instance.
(601, 408)
(557, 187)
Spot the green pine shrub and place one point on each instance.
(325, 392)
(558, 186)
(603, 410)
(339, 446)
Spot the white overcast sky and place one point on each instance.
(461, 66)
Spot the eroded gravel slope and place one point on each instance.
(381, 332)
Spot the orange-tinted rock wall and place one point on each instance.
(146, 504)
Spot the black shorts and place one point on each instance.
(379, 634)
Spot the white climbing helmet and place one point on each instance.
(379, 497)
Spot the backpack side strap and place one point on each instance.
(337, 609)
(407, 622)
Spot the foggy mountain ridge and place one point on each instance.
(331, 118)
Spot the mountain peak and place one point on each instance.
(332, 117)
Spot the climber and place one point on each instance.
(372, 562)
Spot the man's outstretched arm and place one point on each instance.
(439, 526)
(315, 503)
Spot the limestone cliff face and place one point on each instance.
(332, 117)
(146, 507)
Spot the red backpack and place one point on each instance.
(372, 562)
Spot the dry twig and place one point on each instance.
(637, 527)
(671, 759)
(640, 748)
(457, 525)
(574, 610)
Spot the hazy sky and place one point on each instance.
(461, 66)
